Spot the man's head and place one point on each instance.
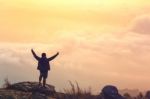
(43, 54)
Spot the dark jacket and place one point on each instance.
(43, 62)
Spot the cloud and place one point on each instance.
(109, 58)
(17, 63)
(102, 59)
(141, 24)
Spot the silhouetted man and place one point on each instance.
(43, 65)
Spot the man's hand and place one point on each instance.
(34, 54)
(57, 53)
(51, 58)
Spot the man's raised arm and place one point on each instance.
(35, 56)
(51, 58)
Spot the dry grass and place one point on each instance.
(75, 92)
(6, 83)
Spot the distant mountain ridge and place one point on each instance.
(132, 92)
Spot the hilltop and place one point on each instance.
(32, 90)
(28, 90)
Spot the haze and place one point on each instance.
(100, 41)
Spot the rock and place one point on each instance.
(7, 97)
(110, 92)
(38, 96)
(33, 87)
(147, 96)
(14, 94)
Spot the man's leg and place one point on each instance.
(44, 78)
(40, 79)
(44, 82)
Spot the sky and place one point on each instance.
(100, 42)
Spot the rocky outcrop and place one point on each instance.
(32, 90)
(28, 90)
(33, 87)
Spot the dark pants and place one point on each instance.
(44, 74)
